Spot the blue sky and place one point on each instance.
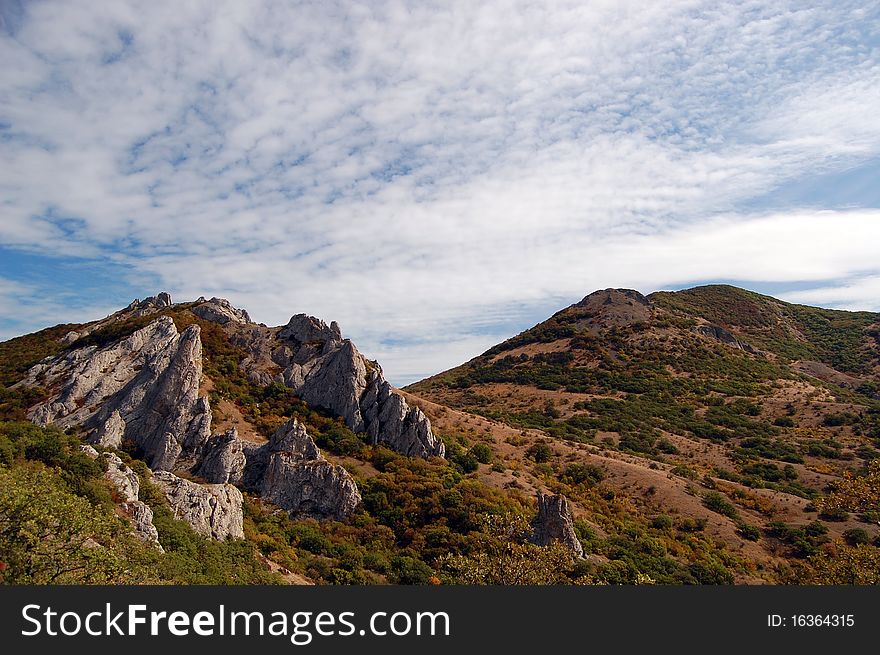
(434, 176)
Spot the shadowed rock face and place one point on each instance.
(144, 388)
(726, 337)
(554, 523)
(223, 459)
(289, 471)
(213, 510)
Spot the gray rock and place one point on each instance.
(305, 329)
(223, 459)
(151, 304)
(213, 510)
(127, 485)
(142, 519)
(313, 488)
(554, 523)
(122, 477)
(390, 420)
(289, 471)
(146, 386)
(726, 337)
(110, 433)
(220, 310)
(328, 372)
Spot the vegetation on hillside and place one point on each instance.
(637, 388)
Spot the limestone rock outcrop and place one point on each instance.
(111, 432)
(144, 387)
(213, 510)
(223, 459)
(289, 471)
(128, 486)
(554, 523)
(148, 305)
(726, 337)
(299, 479)
(327, 371)
(220, 310)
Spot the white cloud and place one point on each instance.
(434, 174)
(861, 293)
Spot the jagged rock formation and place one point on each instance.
(148, 305)
(128, 486)
(327, 371)
(289, 471)
(220, 310)
(144, 388)
(726, 337)
(135, 309)
(213, 510)
(223, 459)
(554, 523)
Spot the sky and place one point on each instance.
(435, 176)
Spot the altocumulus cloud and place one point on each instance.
(435, 176)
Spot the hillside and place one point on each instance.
(713, 404)
(228, 452)
(709, 436)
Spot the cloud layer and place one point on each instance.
(435, 176)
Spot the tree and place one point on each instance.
(48, 535)
(839, 564)
(506, 557)
(854, 493)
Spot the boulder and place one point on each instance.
(213, 510)
(220, 310)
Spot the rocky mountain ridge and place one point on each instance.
(144, 389)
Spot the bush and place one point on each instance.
(482, 453)
(661, 522)
(718, 503)
(856, 536)
(589, 474)
(408, 570)
(540, 452)
(842, 418)
(748, 532)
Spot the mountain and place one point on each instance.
(713, 404)
(705, 436)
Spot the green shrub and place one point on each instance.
(718, 503)
(856, 536)
(589, 474)
(661, 522)
(482, 453)
(748, 532)
(540, 452)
